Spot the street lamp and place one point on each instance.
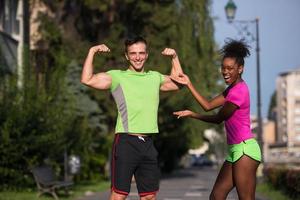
(230, 10)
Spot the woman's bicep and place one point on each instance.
(217, 102)
(227, 110)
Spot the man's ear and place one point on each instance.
(126, 56)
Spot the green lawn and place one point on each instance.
(271, 193)
(76, 191)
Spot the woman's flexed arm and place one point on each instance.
(207, 105)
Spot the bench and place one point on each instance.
(47, 181)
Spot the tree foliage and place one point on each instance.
(183, 25)
(56, 112)
(272, 106)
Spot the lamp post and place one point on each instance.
(230, 10)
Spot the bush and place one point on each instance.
(285, 179)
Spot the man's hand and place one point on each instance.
(99, 48)
(101, 81)
(169, 52)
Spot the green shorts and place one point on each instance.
(248, 147)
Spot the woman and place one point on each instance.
(244, 155)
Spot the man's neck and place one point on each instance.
(134, 70)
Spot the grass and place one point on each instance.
(266, 190)
(77, 191)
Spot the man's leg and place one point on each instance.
(123, 165)
(147, 173)
(149, 197)
(116, 196)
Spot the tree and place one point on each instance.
(183, 25)
(272, 107)
(57, 111)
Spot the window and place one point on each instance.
(297, 102)
(297, 120)
(2, 4)
(8, 16)
(297, 92)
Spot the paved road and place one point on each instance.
(187, 184)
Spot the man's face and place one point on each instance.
(137, 55)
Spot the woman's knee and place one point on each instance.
(214, 195)
(246, 196)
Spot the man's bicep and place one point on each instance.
(101, 81)
(168, 84)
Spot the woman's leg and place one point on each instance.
(244, 176)
(224, 183)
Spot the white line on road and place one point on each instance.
(196, 187)
(193, 194)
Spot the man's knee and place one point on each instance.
(116, 196)
(149, 197)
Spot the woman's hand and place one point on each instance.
(181, 79)
(184, 113)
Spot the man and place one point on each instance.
(136, 93)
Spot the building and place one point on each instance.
(288, 108)
(14, 35)
(283, 144)
(269, 138)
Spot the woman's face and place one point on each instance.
(231, 71)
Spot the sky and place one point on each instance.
(279, 35)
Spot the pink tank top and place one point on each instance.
(238, 125)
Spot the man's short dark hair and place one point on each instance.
(133, 40)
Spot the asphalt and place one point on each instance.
(186, 184)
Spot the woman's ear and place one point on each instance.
(126, 56)
(241, 69)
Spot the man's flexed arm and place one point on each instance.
(176, 67)
(176, 71)
(99, 80)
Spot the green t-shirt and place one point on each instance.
(137, 97)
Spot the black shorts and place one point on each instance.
(133, 155)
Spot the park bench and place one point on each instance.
(47, 181)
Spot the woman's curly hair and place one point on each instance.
(237, 49)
